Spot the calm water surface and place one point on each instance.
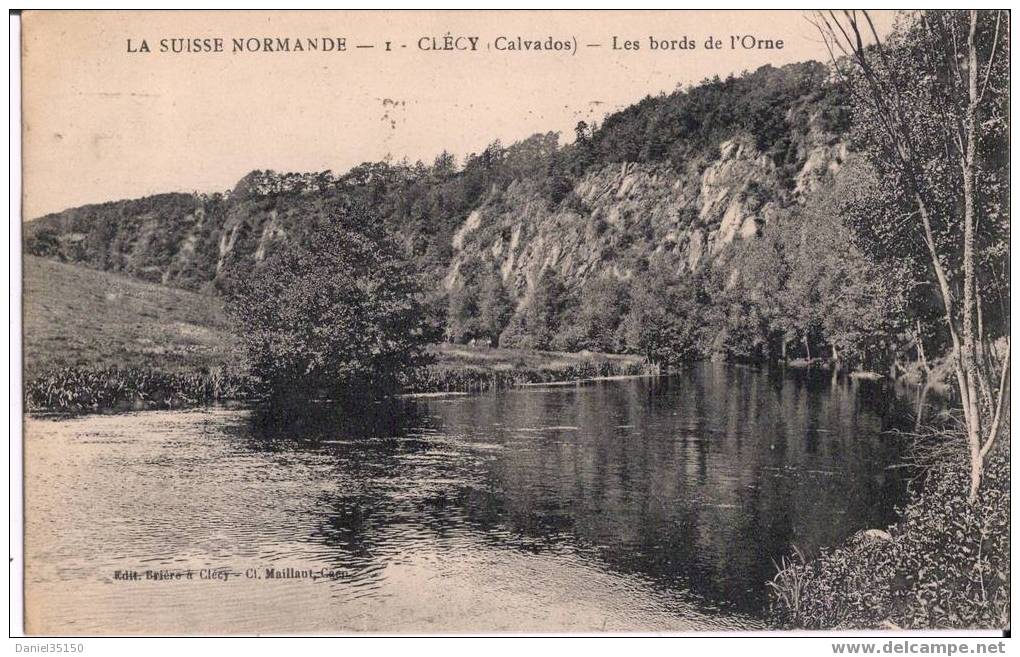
(632, 505)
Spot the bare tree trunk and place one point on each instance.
(922, 399)
(969, 178)
(920, 352)
(993, 432)
(947, 302)
(835, 367)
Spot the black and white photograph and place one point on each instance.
(515, 322)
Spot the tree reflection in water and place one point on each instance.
(695, 482)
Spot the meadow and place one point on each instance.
(95, 340)
(79, 317)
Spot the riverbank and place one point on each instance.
(458, 368)
(455, 369)
(944, 564)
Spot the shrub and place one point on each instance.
(334, 314)
(79, 389)
(467, 379)
(945, 563)
(45, 243)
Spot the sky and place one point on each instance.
(103, 120)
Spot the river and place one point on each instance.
(632, 505)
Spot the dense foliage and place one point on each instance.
(332, 315)
(688, 124)
(916, 66)
(479, 309)
(807, 282)
(440, 378)
(931, 110)
(786, 294)
(945, 564)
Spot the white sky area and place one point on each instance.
(101, 123)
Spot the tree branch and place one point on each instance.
(991, 56)
(994, 430)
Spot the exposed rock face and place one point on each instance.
(180, 240)
(151, 238)
(624, 216)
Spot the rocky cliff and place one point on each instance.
(672, 180)
(621, 217)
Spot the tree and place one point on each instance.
(538, 323)
(462, 314)
(595, 323)
(759, 319)
(837, 296)
(44, 242)
(931, 108)
(544, 311)
(667, 320)
(494, 308)
(444, 165)
(805, 280)
(336, 313)
(462, 317)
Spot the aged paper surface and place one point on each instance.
(513, 278)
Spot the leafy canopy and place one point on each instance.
(337, 311)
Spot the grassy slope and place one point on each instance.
(79, 316)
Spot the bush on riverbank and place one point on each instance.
(446, 379)
(78, 389)
(336, 313)
(945, 564)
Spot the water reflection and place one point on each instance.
(628, 505)
(699, 481)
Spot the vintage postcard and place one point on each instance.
(515, 322)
